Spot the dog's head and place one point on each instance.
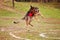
(34, 9)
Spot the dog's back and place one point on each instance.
(26, 15)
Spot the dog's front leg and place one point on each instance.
(35, 16)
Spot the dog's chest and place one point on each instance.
(30, 14)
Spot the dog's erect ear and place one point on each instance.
(31, 6)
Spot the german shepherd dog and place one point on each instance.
(33, 12)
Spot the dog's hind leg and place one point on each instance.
(28, 21)
(30, 24)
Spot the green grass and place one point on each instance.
(48, 12)
(6, 13)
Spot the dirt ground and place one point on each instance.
(48, 26)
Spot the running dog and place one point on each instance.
(33, 12)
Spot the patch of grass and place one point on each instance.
(7, 17)
(48, 12)
(5, 13)
(5, 23)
